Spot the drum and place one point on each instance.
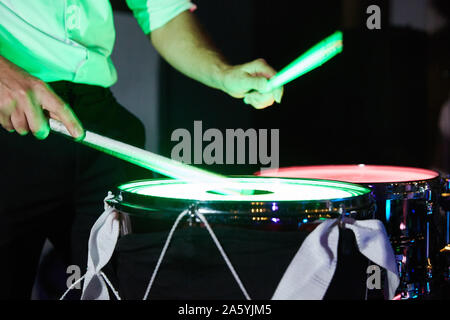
(260, 226)
(445, 251)
(407, 203)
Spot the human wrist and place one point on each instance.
(222, 69)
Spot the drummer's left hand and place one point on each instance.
(249, 81)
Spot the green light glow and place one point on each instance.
(311, 59)
(149, 160)
(278, 189)
(143, 158)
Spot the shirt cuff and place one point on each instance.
(153, 14)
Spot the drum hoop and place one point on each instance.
(129, 203)
(420, 189)
(134, 203)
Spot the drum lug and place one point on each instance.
(193, 209)
(430, 207)
(342, 214)
(429, 275)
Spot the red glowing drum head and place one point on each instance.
(364, 174)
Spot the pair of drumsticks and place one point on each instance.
(311, 59)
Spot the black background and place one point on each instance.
(377, 103)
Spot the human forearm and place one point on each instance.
(183, 44)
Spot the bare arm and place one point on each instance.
(185, 46)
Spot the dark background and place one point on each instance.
(377, 103)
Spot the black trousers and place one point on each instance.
(54, 189)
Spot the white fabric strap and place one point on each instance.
(102, 241)
(373, 242)
(311, 271)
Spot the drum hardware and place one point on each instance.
(410, 241)
(192, 217)
(445, 251)
(342, 214)
(429, 269)
(407, 202)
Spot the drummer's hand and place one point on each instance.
(23, 99)
(249, 80)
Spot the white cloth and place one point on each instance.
(102, 241)
(311, 271)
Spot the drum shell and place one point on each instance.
(193, 268)
(410, 211)
(405, 208)
(411, 214)
(259, 241)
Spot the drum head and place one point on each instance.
(389, 182)
(243, 196)
(365, 174)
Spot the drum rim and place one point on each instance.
(135, 203)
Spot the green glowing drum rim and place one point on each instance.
(271, 197)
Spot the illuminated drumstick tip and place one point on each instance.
(311, 59)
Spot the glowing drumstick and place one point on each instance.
(311, 59)
(142, 158)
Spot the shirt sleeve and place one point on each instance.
(152, 14)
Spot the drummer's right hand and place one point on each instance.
(23, 99)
